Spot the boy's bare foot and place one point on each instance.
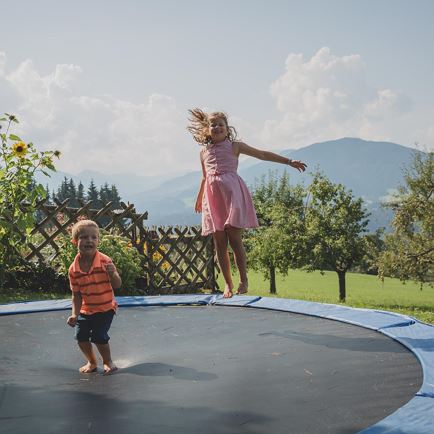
(109, 368)
(227, 292)
(88, 368)
(242, 288)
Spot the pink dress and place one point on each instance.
(226, 199)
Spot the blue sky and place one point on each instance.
(109, 83)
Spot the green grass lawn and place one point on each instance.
(20, 296)
(362, 291)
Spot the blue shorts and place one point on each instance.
(94, 328)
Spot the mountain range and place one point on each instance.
(370, 169)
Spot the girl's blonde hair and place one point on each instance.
(200, 122)
(77, 229)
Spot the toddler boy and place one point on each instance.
(92, 278)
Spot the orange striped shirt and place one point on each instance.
(94, 286)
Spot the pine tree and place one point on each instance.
(47, 194)
(62, 191)
(93, 195)
(76, 194)
(72, 194)
(80, 192)
(115, 197)
(104, 194)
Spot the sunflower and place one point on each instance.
(19, 149)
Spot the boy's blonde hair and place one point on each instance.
(77, 229)
(200, 122)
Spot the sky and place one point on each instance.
(109, 83)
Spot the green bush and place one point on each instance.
(125, 257)
(35, 278)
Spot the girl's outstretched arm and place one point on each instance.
(198, 204)
(243, 148)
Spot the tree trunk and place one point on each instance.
(272, 279)
(342, 288)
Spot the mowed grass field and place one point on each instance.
(362, 291)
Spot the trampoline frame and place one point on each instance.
(415, 416)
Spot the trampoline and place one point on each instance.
(204, 364)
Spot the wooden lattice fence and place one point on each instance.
(175, 259)
(179, 258)
(55, 219)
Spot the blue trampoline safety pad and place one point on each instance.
(367, 318)
(417, 416)
(419, 338)
(35, 306)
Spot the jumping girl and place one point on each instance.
(223, 199)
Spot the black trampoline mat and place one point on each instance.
(202, 369)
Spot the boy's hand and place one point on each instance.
(72, 320)
(113, 275)
(110, 268)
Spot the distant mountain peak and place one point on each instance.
(368, 168)
(351, 141)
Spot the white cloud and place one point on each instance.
(386, 104)
(389, 197)
(328, 97)
(65, 76)
(102, 133)
(321, 98)
(325, 84)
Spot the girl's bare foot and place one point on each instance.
(109, 368)
(88, 368)
(242, 288)
(227, 292)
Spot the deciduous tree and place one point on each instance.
(335, 223)
(409, 250)
(278, 244)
